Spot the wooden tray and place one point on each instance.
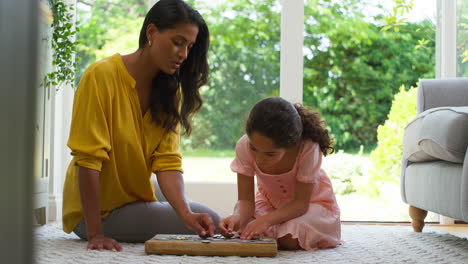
(210, 246)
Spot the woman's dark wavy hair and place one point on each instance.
(286, 124)
(166, 96)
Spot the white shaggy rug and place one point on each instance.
(363, 244)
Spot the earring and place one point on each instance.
(149, 43)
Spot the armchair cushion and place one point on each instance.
(437, 134)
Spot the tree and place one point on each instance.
(396, 18)
(353, 69)
(106, 24)
(244, 68)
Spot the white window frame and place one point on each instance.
(446, 52)
(292, 58)
(446, 39)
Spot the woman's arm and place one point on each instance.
(88, 181)
(172, 186)
(295, 208)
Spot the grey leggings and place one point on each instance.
(139, 221)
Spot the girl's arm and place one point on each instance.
(245, 206)
(244, 209)
(295, 208)
(172, 186)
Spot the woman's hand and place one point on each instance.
(255, 228)
(172, 186)
(200, 223)
(100, 242)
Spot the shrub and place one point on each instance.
(386, 158)
(346, 171)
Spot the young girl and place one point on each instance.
(295, 202)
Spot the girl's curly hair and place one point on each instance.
(286, 124)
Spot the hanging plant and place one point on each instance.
(63, 46)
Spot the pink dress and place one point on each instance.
(318, 228)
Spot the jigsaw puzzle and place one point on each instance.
(217, 245)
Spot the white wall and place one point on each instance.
(219, 196)
(60, 155)
(62, 103)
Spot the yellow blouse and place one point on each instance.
(109, 134)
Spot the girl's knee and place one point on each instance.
(288, 243)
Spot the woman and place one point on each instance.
(125, 125)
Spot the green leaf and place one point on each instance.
(386, 28)
(63, 47)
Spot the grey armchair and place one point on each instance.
(435, 162)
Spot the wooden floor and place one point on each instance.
(459, 230)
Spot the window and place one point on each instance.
(244, 68)
(352, 70)
(462, 38)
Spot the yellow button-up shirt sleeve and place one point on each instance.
(89, 133)
(167, 157)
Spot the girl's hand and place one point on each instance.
(232, 224)
(229, 225)
(200, 223)
(100, 242)
(255, 228)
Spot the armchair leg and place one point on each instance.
(417, 216)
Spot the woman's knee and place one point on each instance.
(80, 230)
